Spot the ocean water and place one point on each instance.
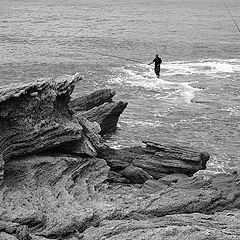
(195, 102)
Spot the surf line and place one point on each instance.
(231, 16)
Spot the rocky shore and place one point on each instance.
(59, 180)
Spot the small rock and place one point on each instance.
(135, 174)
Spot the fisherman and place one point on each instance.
(157, 60)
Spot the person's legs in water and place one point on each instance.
(157, 71)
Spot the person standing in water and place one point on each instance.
(157, 60)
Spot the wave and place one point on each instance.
(208, 67)
(176, 77)
(144, 79)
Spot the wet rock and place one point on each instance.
(92, 100)
(135, 174)
(106, 115)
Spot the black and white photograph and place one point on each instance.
(119, 119)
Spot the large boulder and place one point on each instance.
(157, 160)
(35, 117)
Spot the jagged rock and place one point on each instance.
(90, 142)
(35, 117)
(135, 174)
(106, 115)
(92, 100)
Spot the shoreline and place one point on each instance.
(59, 179)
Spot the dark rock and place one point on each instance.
(158, 160)
(135, 174)
(106, 115)
(92, 100)
(114, 177)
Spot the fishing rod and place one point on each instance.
(232, 16)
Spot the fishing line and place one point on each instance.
(231, 16)
(115, 56)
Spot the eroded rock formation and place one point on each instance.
(35, 117)
(155, 161)
(61, 182)
(92, 100)
(99, 107)
(106, 115)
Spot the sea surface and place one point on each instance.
(196, 102)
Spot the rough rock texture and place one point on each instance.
(156, 160)
(194, 208)
(219, 226)
(54, 186)
(106, 115)
(50, 196)
(99, 107)
(35, 117)
(92, 100)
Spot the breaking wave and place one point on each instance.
(208, 67)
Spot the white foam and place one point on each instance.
(147, 80)
(208, 67)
